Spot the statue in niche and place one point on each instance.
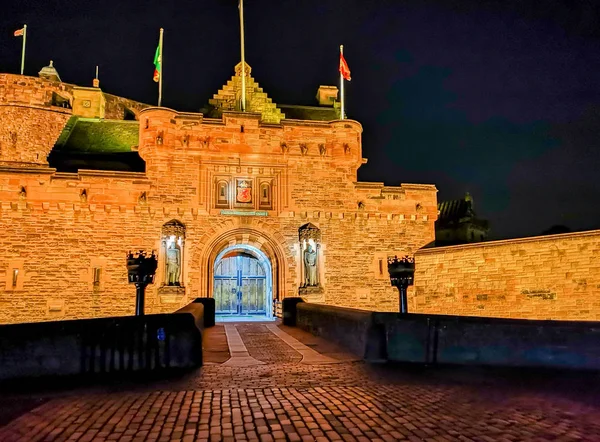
(173, 264)
(310, 266)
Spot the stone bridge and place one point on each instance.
(269, 382)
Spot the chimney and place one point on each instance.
(327, 95)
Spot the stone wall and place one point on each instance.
(116, 108)
(32, 91)
(547, 277)
(30, 120)
(34, 111)
(27, 135)
(66, 225)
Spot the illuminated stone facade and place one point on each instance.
(212, 183)
(545, 277)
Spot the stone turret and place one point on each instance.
(50, 73)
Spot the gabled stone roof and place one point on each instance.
(229, 98)
(454, 212)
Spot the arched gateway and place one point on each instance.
(244, 273)
(242, 285)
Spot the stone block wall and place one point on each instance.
(31, 91)
(66, 235)
(27, 135)
(547, 277)
(69, 224)
(34, 111)
(115, 108)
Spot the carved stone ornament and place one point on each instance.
(309, 231)
(346, 149)
(185, 140)
(143, 198)
(205, 142)
(83, 196)
(23, 193)
(284, 147)
(303, 149)
(159, 138)
(174, 228)
(322, 149)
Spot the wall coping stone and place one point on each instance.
(510, 241)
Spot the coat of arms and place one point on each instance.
(244, 191)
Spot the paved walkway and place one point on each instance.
(272, 383)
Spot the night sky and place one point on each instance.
(497, 98)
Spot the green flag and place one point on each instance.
(157, 64)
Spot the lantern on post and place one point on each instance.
(141, 269)
(402, 272)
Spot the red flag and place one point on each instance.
(344, 69)
(19, 32)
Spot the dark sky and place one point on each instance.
(498, 98)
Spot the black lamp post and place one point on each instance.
(140, 271)
(402, 272)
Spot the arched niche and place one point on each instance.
(173, 253)
(309, 237)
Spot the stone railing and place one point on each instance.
(457, 340)
(104, 345)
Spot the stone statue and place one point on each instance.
(173, 264)
(310, 266)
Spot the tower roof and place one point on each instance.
(49, 72)
(228, 98)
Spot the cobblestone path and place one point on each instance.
(265, 346)
(286, 400)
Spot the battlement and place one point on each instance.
(34, 91)
(244, 133)
(417, 201)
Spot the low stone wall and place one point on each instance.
(490, 341)
(545, 277)
(437, 339)
(92, 346)
(344, 326)
(209, 310)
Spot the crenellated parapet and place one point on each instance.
(243, 133)
(413, 201)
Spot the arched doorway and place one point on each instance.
(242, 284)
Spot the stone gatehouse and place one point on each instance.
(246, 207)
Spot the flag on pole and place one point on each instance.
(157, 64)
(19, 32)
(344, 69)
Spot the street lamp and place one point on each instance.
(140, 271)
(402, 272)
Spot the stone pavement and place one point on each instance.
(286, 399)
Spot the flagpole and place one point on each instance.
(23, 49)
(243, 49)
(160, 74)
(342, 113)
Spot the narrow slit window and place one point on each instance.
(97, 275)
(381, 266)
(15, 277)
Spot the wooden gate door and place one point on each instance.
(240, 286)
